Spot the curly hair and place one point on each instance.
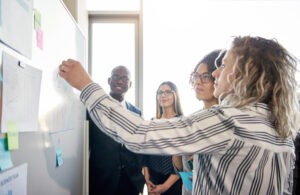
(264, 72)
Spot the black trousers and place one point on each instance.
(125, 186)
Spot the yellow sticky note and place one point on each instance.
(12, 135)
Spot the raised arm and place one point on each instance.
(206, 131)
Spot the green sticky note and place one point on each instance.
(37, 19)
(12, 135)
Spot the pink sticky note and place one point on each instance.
(39, 38)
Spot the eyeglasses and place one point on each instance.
(166, 93)
(204, 77)
(117, 77)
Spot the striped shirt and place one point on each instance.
(237, 150)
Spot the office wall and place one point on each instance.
(61, 114)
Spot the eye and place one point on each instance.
(206, 76)
(195, 76)
(222, 65)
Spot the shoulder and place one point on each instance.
(133, 108)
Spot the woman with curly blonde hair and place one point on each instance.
(263, 72)
(244, 145)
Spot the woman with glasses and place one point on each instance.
(244, 145)
(159, 172)
(203, 83)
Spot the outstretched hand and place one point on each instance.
(73, 72)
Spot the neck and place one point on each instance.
(117, 97)
(208, 104)
(168, 113)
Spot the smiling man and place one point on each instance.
(114, 169)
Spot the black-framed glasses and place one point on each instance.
(166, 93)
(117, 77)
(204, 77)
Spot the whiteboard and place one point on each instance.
(61, 114)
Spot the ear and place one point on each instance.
(129, 84)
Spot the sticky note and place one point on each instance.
(5, 160)
(59, 160)
(185, 176)
(1, 77)
(37, 19)
(12, 135)
(39, 38)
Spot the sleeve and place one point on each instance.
(288, 187)
(202, 132)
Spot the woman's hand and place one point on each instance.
(150, 185)
(159, 189)
(73, 72)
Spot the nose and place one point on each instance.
(120, 81)
(215, 73)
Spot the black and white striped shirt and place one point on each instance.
(238, 150)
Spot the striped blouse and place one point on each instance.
(237, 150)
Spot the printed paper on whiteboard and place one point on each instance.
(20, 94)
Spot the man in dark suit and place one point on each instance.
(114, 170)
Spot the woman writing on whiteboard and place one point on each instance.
(244, 144)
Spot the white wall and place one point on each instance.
(78, 9)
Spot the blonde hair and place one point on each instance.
(176, 105)
(264, 72)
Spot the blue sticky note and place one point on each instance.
(59, 160)
(5, 160)
(185, 176)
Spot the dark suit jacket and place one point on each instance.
(108, 157)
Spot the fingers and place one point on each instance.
(73, 72)
(64, 68)
(62, 74)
